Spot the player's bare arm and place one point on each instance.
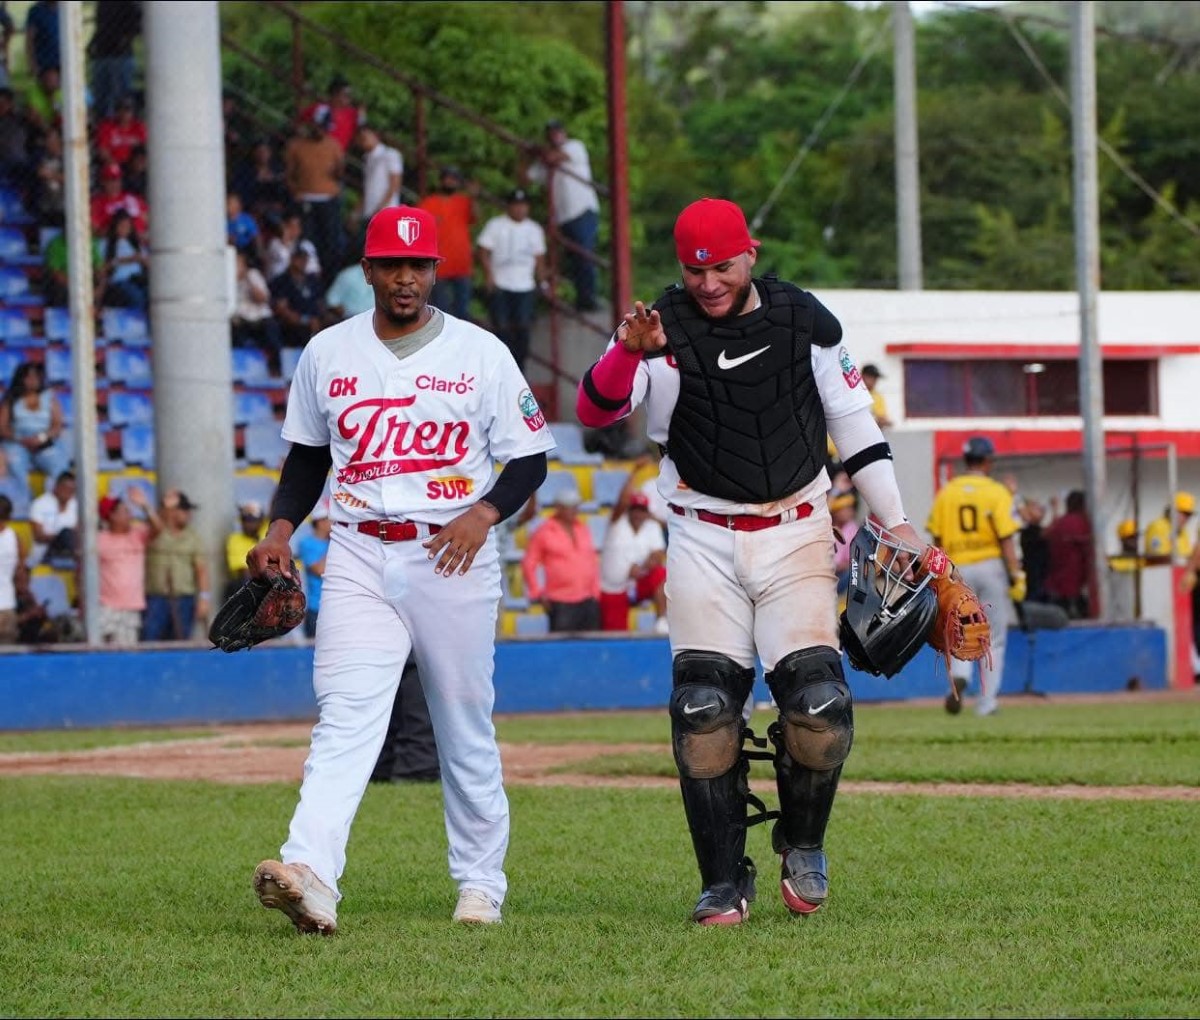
(641, 330)
(455, 546)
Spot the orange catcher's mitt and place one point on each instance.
(960, 629)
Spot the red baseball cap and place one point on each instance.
(107, 505)
(111, 171)
(402, 232)
(711, 230)
(639, 499)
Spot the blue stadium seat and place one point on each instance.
(119, 484)
(556, 482)
(532, 624)
(105, 461)
(568, 438)
(130, 407)
(51, 591)
(12, 208)
(137, 446)
(598, 526)
(287, 361)
(15, 326)
(250, 366)
(253, 488)
(129, 325)
(250, 406)
(14, 248)
(126, 366)
(264, 445)
(58, 365)
(56, 323)
(14, 287)
(45, 236)
(10, 358)
(607, 484)
(66, 400)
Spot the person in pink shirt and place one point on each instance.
(563, 551)
(121, 554)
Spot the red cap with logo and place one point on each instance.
(402, 232)
(711, 230)
(639, 501)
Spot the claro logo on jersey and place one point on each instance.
(463, 384)
(530, 412)
(390, 444)
(849, 369)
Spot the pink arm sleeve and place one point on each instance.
(611, 379)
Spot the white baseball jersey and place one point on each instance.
(657, 383)
(415, 438)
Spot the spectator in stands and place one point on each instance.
(297, 301)
(1124, 571)
(121, 546)
(575, 207)
(454, 209)
(56, 283)
(259, 180)
(15, 132)
(240, 227)
(8, 29)
(562, 551)
(41, 37)
(313, 165)
(512, 248)
(311, 553)
(13, 573)
(253, 323)
(633, 562)
(284, 233)
(1035, 553)
(252, 527)
(350, 292)
(118, 135)
(342, 115)
(110, 53)
(43, 102)
(843, 510)
(177, 591)
(1069, 543)
(113, 197)
(126, 262)
(47, 193)
(54, 518)
(31, 424)
(382, 174)
(134, 173)
(1163, 539)
(14, 487)
(871, 376)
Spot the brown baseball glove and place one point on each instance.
(960, 629)
(262, 608)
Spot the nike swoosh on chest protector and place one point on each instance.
(727, 363)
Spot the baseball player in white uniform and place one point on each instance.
(742, 377)
(413, 409)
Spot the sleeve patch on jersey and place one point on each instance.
(530, 412)
(849, 370)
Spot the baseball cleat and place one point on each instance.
(727, 903)
(476, 907)
(954, 699)
(294, 889)
(804, 880)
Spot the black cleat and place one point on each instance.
(954, 699)
(727, 902)
(804, 880)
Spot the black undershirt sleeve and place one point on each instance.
(519, 479)
(301, 482)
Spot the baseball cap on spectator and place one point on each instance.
(1126, 529)
(872, 370)
(175, 498)
(251, 511)
(711, 230)
(639, 501)
(1185, 503)
(402, 232)
(518, 195)
(568, 497)
(108, 504)
(111, 172)
(554, 124)
(320, 512)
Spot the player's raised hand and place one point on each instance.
(641, 330)
(455, 546)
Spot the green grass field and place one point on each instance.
(133, 898)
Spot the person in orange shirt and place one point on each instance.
(563, 550)
(454, 209)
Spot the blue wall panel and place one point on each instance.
(55, 689)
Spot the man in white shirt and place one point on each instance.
(54, 516)
(575, 207)
(632, 565)
(383, 173)
(512, 249)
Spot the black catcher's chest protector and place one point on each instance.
(749, 425)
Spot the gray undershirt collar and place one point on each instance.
(406, 346)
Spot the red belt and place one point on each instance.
(392, 531)
(745, 522)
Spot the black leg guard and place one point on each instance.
(706, 736)
(813, 737)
